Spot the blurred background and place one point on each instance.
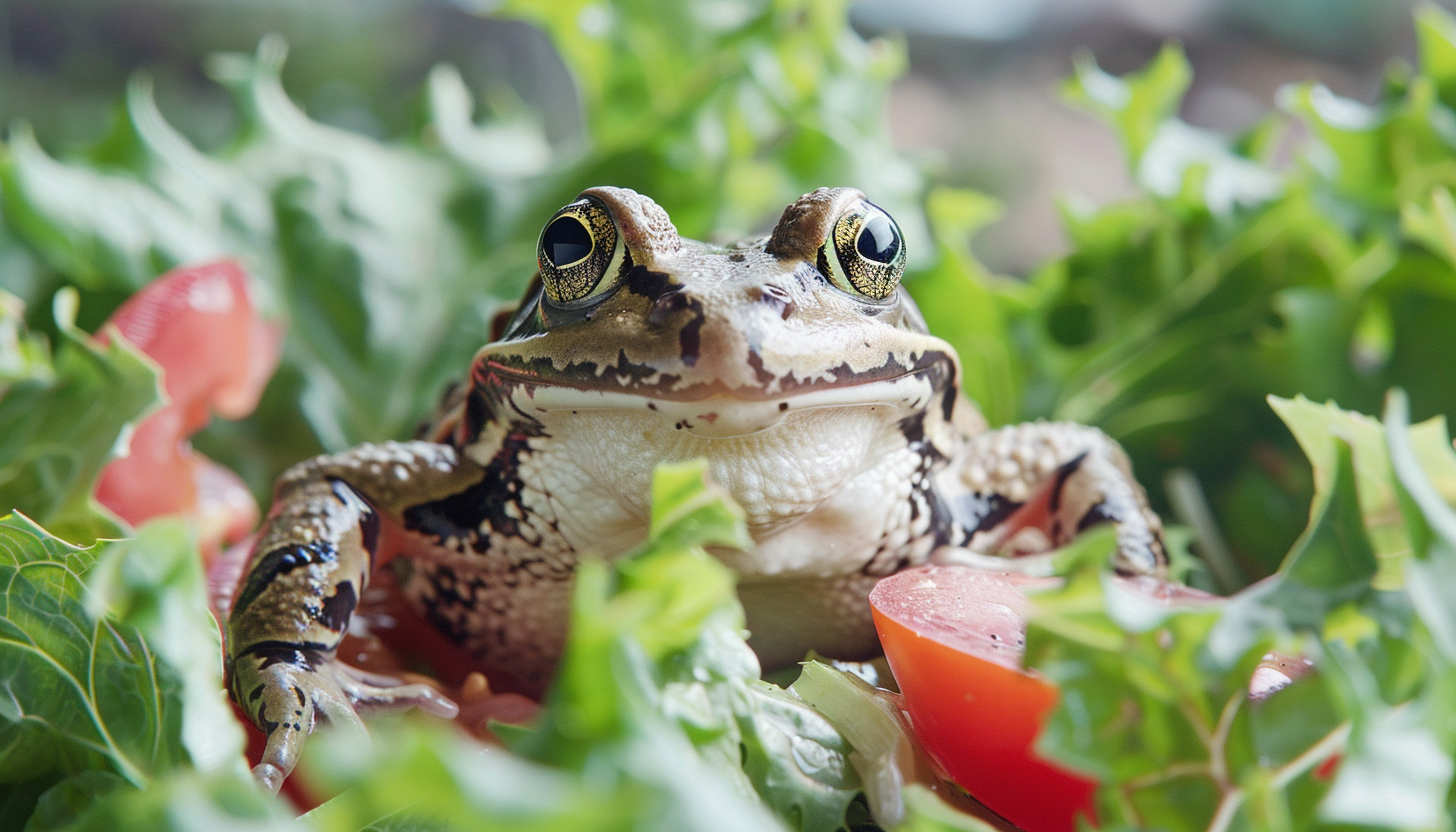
(979, 103)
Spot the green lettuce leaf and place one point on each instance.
(673, 605)
(154, 582)
(373, 253)
(80, 693)
(182, 801)
(1314, 426)
(113, 677)
(61, 420)
(1157, 706)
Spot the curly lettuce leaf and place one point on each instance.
(112, 672)
(1236, 273)
(80, 693)
(154, 582)
(61, 419)
(1314, 426)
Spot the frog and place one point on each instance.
(795, 364)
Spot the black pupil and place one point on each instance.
(566, 241)
(878, 240)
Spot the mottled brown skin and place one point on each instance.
(795, 365)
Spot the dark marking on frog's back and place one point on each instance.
(979, 511)
(478, 412)
(1096, 515)
(305, 654)
(942, 521)
(912, 427)
(689, 338)
(280, 562)
(1059, 480)
(336, 609)
(755, 363)
(368, 517)
(462, 514)
(934, 365)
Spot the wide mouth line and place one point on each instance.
(701, 391)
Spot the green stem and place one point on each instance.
(1217, 760)
(1331, 744)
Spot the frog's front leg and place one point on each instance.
(1037, 485)
(308, 569)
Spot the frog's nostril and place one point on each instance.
(666, 305)
(778, 299)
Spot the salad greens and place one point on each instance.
(1364, 742)
(1313, 257)
(55, 441)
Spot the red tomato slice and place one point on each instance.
(954, 636)
(216, 355)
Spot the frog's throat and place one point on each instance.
(721, 414)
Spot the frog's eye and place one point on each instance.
(865, 254)
(577, 249)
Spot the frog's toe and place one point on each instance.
(369, 692)
(269, 776)
(286, 700)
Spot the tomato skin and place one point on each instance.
(977, 715)
(216, 355)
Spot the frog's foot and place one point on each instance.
(286, 699)
(1034, 487)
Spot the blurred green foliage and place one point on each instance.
(56, 439)
(1274, 264)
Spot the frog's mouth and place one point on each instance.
(713, 409)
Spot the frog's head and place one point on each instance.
(720, 342)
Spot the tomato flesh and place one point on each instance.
(953, 637)
(216, 355)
